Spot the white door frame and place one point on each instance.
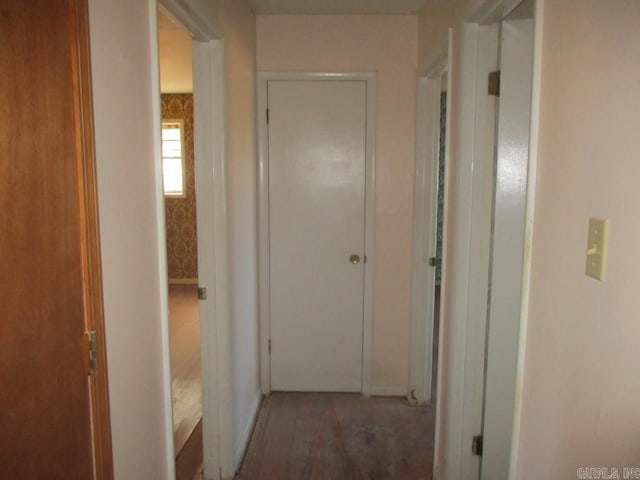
(425, 227)
(466, 310)
(464, 313)
(528, 232)
(513, 191)
(263, 215)
(209, 115)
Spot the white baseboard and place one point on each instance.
(183, 281)
(243, 442)
(388, 391)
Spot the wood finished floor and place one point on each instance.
(320, 436)
(186, 368)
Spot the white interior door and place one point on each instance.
(317, 139)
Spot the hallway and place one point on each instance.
(340, 436)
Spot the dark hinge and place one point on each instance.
(494, 83)
(202, 293)
(269, 346)
(476, 446)
(93, 353)
(267, 116)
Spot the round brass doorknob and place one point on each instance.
(355, 259)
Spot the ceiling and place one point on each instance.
(329, 7)
(176, 70)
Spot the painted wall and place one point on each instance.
(434, 21)
(386, 45)
(122, 75)
(176, 62)
(581, 384)
(180, 212)
(239, 25)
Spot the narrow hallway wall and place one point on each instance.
(581, 384)
(125, 156)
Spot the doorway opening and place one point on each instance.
(208, 72)
(179, 187)
(429, 229)
(442, 149)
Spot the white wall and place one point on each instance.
(121, 63)
(581, 383)
(239, 25)
(386, 45)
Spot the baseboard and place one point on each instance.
(243, 442)
(183, 281)
(388, 391)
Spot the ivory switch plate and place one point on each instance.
(597, 244)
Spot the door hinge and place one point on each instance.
(267, 116)
(269, 346)
(476, 446)
(92, 344)
(202, 293)
(494, 83)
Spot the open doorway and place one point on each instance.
(204, 32)
(442, 135)
(429, 229)
(176, 86)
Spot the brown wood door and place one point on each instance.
(53, 415)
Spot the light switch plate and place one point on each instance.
(597, 245)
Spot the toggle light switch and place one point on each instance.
(597, 244)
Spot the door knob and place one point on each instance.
(355, 259)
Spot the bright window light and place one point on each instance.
(173, 158)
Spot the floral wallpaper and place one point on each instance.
(182, 245)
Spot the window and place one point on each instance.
(173, 158)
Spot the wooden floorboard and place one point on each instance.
(186, 370)
(189, 460)
(320, 436)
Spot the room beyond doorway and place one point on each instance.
(186, 375)
(178, 168)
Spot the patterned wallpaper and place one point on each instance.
(443, 133)
(182, 245)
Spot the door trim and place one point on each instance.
(452, 458)
(463, 315)
(90, 239)
(263, 216)
(210, 164)
(528, 233)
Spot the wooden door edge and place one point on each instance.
(90, 235)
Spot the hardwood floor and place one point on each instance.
(186, 376)
(324, 436)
